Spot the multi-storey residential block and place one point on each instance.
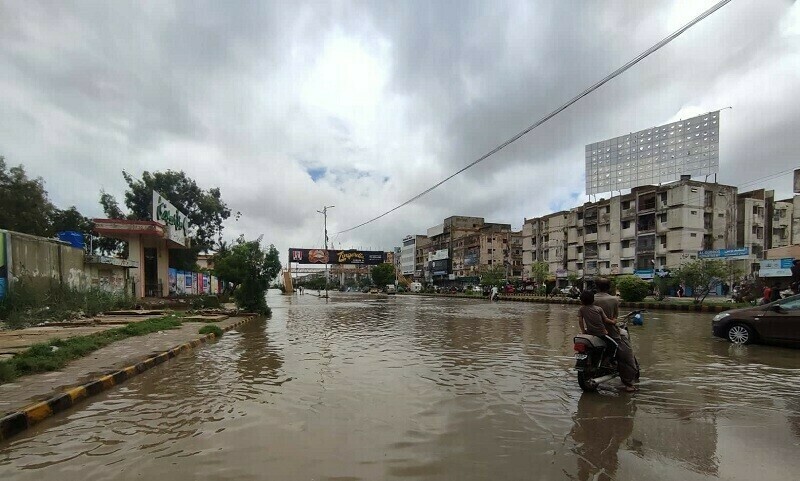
(651, 228)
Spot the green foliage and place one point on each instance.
(632, 288)
(540, 271)
(30, 302)
(250, 268)
(704, 275)
(56, 354)
(205, 302)
(383, 274)
(572, 278)
(494, 276)
(26, 207)
(211, 329)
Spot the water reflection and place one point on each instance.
(602, 424)
(369, 387)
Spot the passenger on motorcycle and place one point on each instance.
(628, 366)
(593, 320)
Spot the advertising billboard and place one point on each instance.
(439, 267)
(187, 282)
(322, 256)
(175, 221)
(776, 267)
(438, 255)
(173, 281)
(472, 257)
(656, 155)
(3, 266)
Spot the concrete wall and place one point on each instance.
(45, 261)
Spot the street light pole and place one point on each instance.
(324, 213)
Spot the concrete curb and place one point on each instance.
(677, 307)
(16, 422)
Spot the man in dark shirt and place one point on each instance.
(628, 366)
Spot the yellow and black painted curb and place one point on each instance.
(16, 422)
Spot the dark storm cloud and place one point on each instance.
(261, 97)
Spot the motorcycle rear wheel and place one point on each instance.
(585, 382)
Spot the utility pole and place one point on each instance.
(324, 213)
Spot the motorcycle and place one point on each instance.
(593, 357)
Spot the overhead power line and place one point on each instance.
(555, 112)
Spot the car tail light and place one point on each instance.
(579, 347)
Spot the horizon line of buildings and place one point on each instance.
(651, 229)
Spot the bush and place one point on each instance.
(205, 302)
(211, 329)
(250, 297)
(29, 302)
(632, 288)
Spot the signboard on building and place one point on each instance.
(438, 255)
(173, 281)
(738, 253)
(175, 221)
(654, 156)
(330, 256)
(644, 273)
(561, 273)
(472, 257)
(439, 267)
(776, 267)
(797, 181)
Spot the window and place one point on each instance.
(608, 209)
(608, 228)
(663, 197)
(662, 218)
(626, 244)
(693, 212)
(720, 215)
(626, 205)
(793, 305)
(626, 224)
(692, 235)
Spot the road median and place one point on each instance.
(35, 397)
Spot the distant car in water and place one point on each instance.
(390, 289)
(776, 322)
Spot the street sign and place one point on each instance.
(738, 253)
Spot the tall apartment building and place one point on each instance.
(652, 227)
(421, 249)
(408, 254)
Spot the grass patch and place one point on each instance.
(211, 329)
(54, 355)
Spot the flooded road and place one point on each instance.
(401, 387)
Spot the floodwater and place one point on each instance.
(400, 387)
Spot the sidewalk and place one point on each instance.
(94, 373)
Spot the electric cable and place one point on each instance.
(555, 112)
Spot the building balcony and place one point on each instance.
(628, 233)
(628, 253)
(590, 237)
(626, 270)
(628, 213)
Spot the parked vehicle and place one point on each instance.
(777, 322)
(415, 287)
(593, 357)
(390, 289)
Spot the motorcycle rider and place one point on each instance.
(610, 305)
(594, 321)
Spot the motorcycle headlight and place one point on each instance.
(721, 316)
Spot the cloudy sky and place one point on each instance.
(289, 106)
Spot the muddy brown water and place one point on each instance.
(399, 387)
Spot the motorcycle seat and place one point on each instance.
(593, 341)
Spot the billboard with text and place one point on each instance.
(330, 256)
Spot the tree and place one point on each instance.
(383, 274)
(205, 209)
(540, 271)
(572, 278)
(632, 288)
(703, 276)
(494, 276)
(251, 269)
(25, 206)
